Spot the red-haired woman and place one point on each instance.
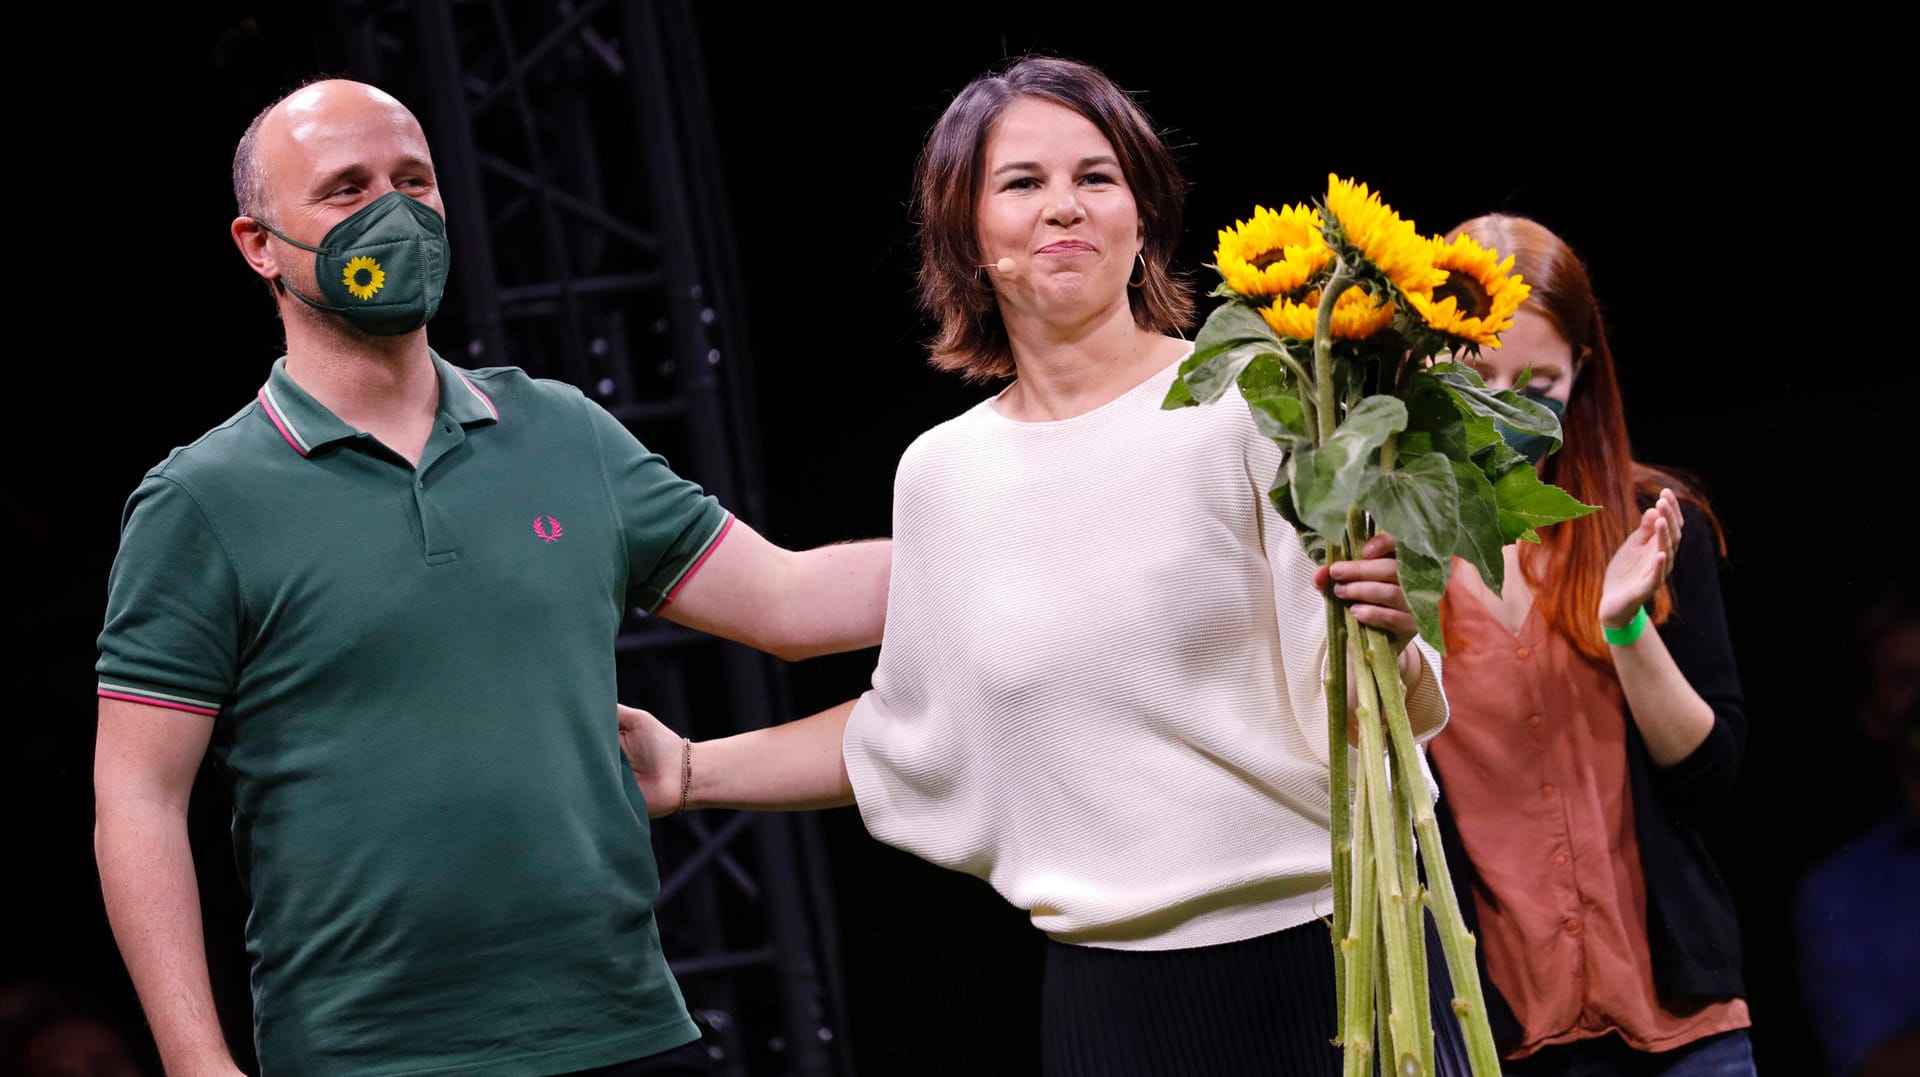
(1596, 719)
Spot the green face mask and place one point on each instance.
(1532, 446)
(383, 268)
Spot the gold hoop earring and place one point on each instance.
(1143, 271)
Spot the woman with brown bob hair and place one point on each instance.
(1596, 722)
(1101, 684)
(955, 291)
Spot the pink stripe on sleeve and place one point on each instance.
(712, 546)
(170, 705)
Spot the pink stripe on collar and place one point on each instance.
(475, 390)
(277, 424)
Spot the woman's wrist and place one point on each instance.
(1628, 633)
(1616, 615)
(686, 774)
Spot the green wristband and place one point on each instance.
(1620, 637)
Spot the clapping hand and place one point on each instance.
(1640, 566)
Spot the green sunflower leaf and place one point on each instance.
(1281, 418)
(1327, 480)
(1424, 579)
(1233, 336)
(1417, 502)
(1526, 503)
(1480, 538)
(1266, 376)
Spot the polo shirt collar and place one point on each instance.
(306, 424)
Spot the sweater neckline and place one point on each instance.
(1162, 378)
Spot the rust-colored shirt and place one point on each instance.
(1533, 766)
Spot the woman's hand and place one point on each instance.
(655, 754)
(1370, 584)
(1641, 564)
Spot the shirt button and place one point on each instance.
(1559, 860)
(1522, 653)
(1572, 924)
(1546, 789)
(419, 484)
(1533, 721)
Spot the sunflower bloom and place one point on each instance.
(1356, 315)
(1476, 299)
(376, 278)
(1272, 254)
(1393, 245)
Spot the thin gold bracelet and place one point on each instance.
(686, 772)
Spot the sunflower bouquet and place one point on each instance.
(1346, 332)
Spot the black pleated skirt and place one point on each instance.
(1259, 1008)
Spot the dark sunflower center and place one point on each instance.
(1468, 296)
(1267, 258)
(363, 277)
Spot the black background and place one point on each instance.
(1723, 180)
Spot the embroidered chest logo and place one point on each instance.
(547, 528)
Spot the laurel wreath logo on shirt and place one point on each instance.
(547, 528)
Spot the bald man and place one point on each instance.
(384, 596)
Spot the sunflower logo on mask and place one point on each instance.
(364, 277)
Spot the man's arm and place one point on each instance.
(144, 764)
(791, 604)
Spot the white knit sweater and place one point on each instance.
(1100, 688)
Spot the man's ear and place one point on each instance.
(252, 239)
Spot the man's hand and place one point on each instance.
(657, 756)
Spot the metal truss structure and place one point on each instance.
(590, 245)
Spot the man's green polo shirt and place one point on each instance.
(411, 673)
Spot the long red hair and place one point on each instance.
(1595, 463)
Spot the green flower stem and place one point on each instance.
(1404, 786)
(1347, 855)
(1382, 1003)
(1378, 805)
(1323, 352)
(1469, 1002)
(1340, 804)
(1357, 948)
(1306, 398)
